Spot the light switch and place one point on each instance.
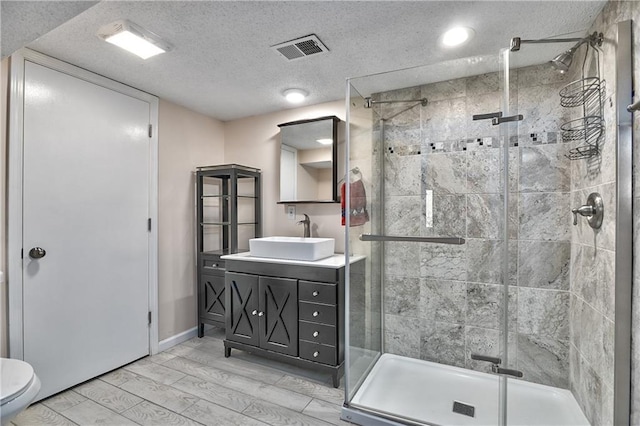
(291, 212)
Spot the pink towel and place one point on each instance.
(358, 205)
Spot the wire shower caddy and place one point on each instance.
(589, 128)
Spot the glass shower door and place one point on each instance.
(430, 306)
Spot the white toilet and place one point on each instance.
(19, 386)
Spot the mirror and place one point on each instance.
(308, 161)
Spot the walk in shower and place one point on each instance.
(481, 301)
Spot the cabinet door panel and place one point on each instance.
(212, 301)
(279, 322)
(242, 308)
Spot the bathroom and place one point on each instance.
(188, 139)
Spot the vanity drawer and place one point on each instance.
(324, 354)
(319, 333)
(316, 312)
(212, 264)
(317, 292)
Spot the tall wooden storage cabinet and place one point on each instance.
(229, 213)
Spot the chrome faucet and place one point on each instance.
(307, 226)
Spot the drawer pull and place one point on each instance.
(255, 312)
(315, 293)
(315, 354)
(316, 313)
(260, 314)
(315, 334)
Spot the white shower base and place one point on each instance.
(424, 392)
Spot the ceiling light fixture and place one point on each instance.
(295, 96)
(325, 141)
(457, 36)
(133, 38)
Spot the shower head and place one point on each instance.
(562, 62)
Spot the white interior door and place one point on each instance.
(86, 203)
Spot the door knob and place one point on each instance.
(37, 253)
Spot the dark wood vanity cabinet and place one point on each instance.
(263, 312)
(291, 313)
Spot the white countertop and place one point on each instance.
(336, 261)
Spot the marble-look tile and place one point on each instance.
(402, 136)
(482, 84)
(324, 411)
(575, 320)
(215, 393)
(544, 360)
(608, 352)
(159, 373)
(163, 395)
(118, 377)
(485, 304)
(402, 296)
(63, 400)
(575, 378)
(443, 90)
(402, 259)
(397, 114)
(402, 174)
(92, 413)
(449, 214)
(482, 104)
(444, 173)
(606, 235)
(545, 216)
(107, 395)
(402, 335)
(514, 169)
(315, 390)
(443, 343)
(483, 341)
(403, 215)
(543, 312)
(591, 389)
(207, 413)
(541, 109)
(544, 168)
(275, 415)
(149, 414)
(484, 174)
(544, 264)
(607, 280)
(484, 216)
(445, 119)
(442, 261)
(443, 301)
(38, 414)
(484, 263)
(537, 75)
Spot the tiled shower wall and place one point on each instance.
(443, 302)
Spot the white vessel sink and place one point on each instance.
(292, 248)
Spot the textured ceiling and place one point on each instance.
(222, 64)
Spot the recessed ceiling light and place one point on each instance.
(457, 36)
(133, 38)
(325, 141)
(295, 96)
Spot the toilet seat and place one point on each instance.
(15, 378)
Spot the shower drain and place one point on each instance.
(464, 409)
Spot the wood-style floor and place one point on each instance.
(191, 384)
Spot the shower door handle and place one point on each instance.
(397, 238)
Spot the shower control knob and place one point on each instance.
(255, 312)
(315, 293)
(315, 334)
(316, 313)
(315, 354)
(37, 253)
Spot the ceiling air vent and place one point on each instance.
(301, 47)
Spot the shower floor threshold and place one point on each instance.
(425, 392)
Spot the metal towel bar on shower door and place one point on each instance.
(435, 240)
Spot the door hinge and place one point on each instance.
(149, 224)
(149, 317)
(150, 130)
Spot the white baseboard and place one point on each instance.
(165, 344)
